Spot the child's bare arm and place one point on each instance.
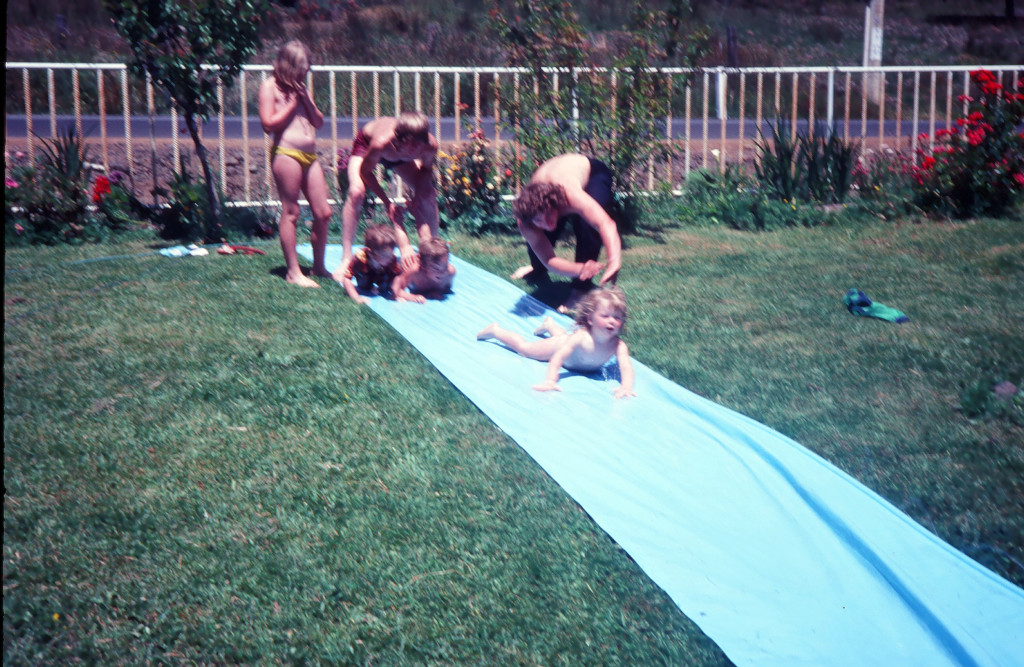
(625, 371)
(350, 289)
(555, 364)
(400, 288)
(275, 120)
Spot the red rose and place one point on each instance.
(100, 188)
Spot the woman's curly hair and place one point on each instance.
(536, 198)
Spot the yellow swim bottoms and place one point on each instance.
(302, 157)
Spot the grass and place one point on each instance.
(204, 464)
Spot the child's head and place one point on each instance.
(381, 241)
(434, 277)
(434, 256)
(539, 204)
(412, 128)
(611, 297)
(292, 64)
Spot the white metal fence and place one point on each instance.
(716, 114)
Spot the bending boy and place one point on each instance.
(404, 145)
(570, 187)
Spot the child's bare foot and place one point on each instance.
(521, 272)
(571, 303)
(301, 280)
(545, 327)
(489, 332)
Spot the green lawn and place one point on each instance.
(205, 464)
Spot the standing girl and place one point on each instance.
(290, 116)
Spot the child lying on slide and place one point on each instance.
(374, 267)
(431, 276)
(600, 317)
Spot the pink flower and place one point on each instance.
(1020, 179)
(10, 182)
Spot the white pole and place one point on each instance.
(876, 85)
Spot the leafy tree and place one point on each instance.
(618, 120)
(171, 41)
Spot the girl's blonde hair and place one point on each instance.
(291, 64)
(592, 300)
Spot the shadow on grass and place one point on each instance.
(548, 292)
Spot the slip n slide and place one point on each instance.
(780, 557)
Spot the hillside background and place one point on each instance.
(427, 32)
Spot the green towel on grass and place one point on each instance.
(859, 304)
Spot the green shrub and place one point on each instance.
(976, 167)
(618, 121)
(186, 216)
(470, 186)
(733, 199)
(58, 201)
(884, 185)
(816, 167)
(120, 208)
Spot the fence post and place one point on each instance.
(899, 111)
(127, 123)
(76, 100)
(222, 149)
(27, 92)
(830, 110)
(102, 104)
(689, 98)
(151, 110)
(917, 92)
(244, 99)
(51, 94)
(723, 83)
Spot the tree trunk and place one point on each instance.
(213, 229)
(1010, 13)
